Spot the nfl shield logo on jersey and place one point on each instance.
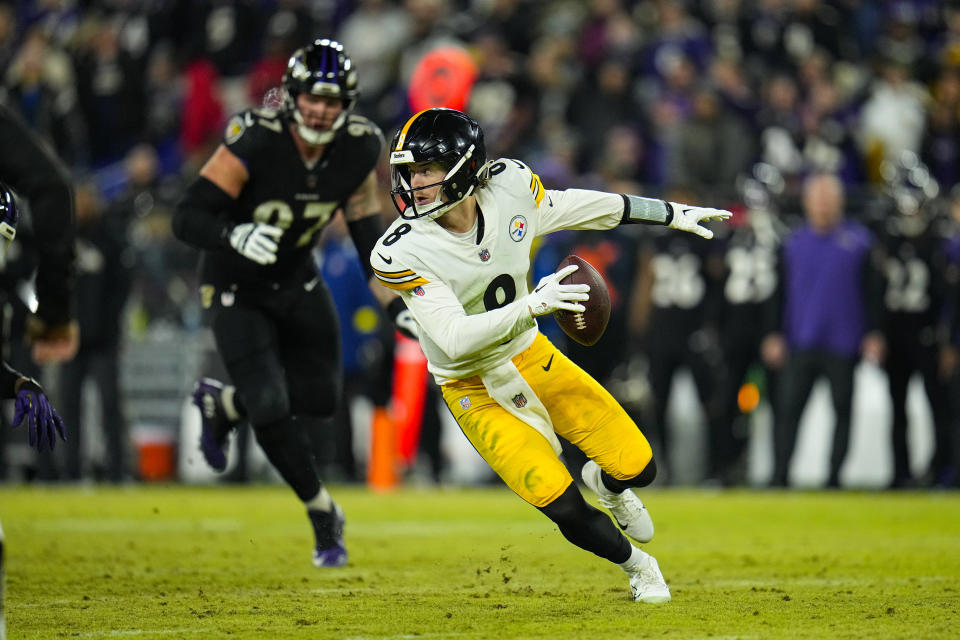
(518, 228)
(465, 403)
(419, 291)
(484, 255)
(520, 401)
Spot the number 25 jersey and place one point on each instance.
(466, 290)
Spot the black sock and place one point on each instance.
(642, 479)
(327, 527)
(289, 452)
(587, 527)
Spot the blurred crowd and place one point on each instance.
(723, 103)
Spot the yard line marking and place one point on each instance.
(135, 632)
(804, 581)
(410, 636)
(125, 525)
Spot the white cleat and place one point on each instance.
(647, 583)
(627, 509)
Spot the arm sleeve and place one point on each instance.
(442, 318)
(200, 218)
(640, 210)
(36, 174)
(365, 232)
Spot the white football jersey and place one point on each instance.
(466, 291)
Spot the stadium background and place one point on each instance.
(643, 97)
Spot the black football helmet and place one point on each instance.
(9, 214)
(910, 188)
(322, 68)
(445, 136)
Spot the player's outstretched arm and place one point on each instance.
(683, 217)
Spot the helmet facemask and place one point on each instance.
(323, 69)
(313, 136)
(456, 185)
(448, 138)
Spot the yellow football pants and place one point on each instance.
(581, 410)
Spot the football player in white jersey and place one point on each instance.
(459, 256)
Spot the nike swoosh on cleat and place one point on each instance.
(387, 260)
(549, 362)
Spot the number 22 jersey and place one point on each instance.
(466, 290)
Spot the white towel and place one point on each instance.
(512, 392)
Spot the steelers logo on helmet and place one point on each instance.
(321, 68)
(447, 137)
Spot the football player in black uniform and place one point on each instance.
(915, 266)
(675, 294)
(751, 245)
(31, 402)
(40, 178)
(255, 210)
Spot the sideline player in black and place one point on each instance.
(31, 403)
(37, 176)
(751, 248)
(915, 290)
(255, 210)
(675, 296)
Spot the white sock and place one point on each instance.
(229, 408)
(636, 559)
(320, 502)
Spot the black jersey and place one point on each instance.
(914, 268)
(284, 191)
(751, 281)
(683, 294)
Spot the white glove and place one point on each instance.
(550, 295)
(256, 241)
(688, 218)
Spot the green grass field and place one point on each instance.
(233, 562)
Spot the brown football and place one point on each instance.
(587, 327)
